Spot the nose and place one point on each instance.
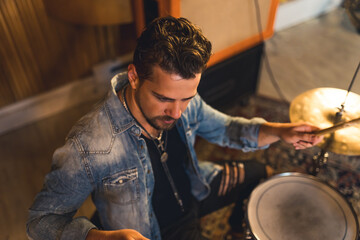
(174, 110)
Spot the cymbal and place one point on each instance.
(319, 107)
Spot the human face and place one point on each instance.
(163, 98)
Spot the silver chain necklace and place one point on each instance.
(161, 147)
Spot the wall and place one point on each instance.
(294, 12)
(39, 53)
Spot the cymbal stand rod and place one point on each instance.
(339, 114)
(320, 160)
(351, 83)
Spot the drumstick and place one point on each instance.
(337, 127)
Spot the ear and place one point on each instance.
(133, 76)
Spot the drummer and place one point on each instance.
(134, 153)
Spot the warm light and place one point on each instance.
(91, 12)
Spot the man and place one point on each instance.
(134, 153)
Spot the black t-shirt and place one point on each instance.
(166, 207)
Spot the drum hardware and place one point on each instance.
(321, 107)
(299, 206)
(330, 215)
(320, 160)
(248, 234)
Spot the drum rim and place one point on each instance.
(284, 174)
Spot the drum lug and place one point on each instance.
(248, 234)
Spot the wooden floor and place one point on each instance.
(323, 52)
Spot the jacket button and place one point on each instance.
(142, 146)
(136, 131)
(148, 171)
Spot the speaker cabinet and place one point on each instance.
(231, 25)
(233, 80)
(237, 30)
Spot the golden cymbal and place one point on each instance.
(319, 107)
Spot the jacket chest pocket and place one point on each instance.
(122, 187)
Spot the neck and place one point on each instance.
(132, 106)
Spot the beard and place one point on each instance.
(153, 121)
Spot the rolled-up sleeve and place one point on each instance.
(243, 133)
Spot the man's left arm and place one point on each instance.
(298, 134)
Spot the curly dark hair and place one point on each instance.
(175, 44)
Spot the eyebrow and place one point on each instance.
(170, 99)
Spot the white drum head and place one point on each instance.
(298, 207)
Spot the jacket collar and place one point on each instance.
(119, 118)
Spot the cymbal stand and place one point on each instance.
(320, 160)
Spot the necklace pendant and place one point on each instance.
(161, 145)
(164, 157)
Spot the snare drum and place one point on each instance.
(299, 207)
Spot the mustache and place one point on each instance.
(166, 118)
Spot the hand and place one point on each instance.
(123, 234)
(297, 134)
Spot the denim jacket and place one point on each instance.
(105, 157)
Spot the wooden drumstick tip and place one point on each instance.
(337, 127)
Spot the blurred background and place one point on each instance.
(57, 58)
